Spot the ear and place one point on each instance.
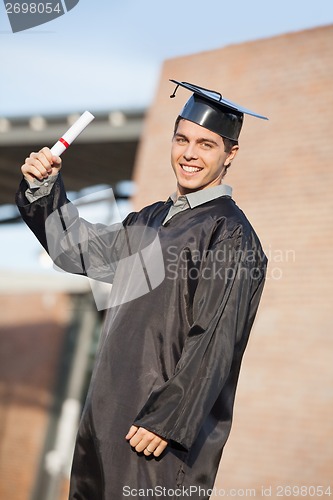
(232, 153)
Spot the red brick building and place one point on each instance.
(282, 178)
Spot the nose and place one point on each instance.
(190, 152)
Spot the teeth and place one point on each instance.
(190, 169)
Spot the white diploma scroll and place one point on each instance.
(66, 140)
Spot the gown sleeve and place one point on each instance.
(74, 244)
(224, 307)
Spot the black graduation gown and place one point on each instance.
(169, 359)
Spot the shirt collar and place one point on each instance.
(204, 195)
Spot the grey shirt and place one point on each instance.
(196, 198)
(38, 189)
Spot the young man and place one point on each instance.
(160, 405)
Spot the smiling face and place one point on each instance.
(198, 157)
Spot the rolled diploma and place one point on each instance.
(66, 140)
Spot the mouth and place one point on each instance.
(189, 169)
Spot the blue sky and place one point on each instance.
(107, 54)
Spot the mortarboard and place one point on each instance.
(212, 111)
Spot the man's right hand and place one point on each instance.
(41, 165)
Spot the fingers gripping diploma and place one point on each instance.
(40, 165)
(146, 441)
(47, 161)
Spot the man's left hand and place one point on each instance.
(146, 441)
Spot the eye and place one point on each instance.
(207, 145)
(180, 140)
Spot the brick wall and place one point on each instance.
(31, 336)
(282, 179)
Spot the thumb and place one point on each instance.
(56, 160)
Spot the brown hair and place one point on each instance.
(228, 143)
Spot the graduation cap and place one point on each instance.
(212, 111)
